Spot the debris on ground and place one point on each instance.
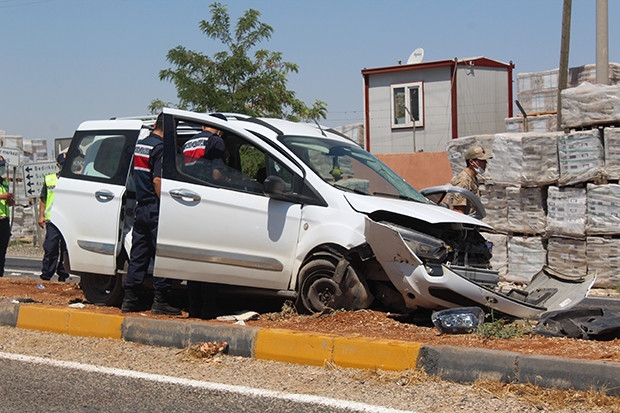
(203, 351)
(582, 323)
(240, 316)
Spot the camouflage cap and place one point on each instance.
(477, 152)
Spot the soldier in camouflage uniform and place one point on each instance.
(476, 159)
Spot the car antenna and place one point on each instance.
(320, 128)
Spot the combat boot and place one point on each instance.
(131, 302)
(161, 306)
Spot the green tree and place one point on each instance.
(232, 80)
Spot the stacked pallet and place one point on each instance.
(537, 94)
(553, 198)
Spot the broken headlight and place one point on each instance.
(429, 249)
(458, 320)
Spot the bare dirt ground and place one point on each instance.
(366, 323)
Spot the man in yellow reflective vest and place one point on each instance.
(6, 201)
(54, 245)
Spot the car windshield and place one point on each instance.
(350, 168)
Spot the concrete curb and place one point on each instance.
(464, 365)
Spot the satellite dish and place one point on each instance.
(416, 56)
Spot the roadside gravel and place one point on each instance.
(409, 390)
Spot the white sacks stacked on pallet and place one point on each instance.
(567, 255)
(456, 149)
(526, 256)
(581, 157)
(612, 153)
(499, 249)
(566, 211)
(604, 260)
(526, 214)
(590, 105)
(603, 209)
(546, 195)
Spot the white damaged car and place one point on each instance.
(303, 213)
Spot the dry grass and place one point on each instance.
(543, 398)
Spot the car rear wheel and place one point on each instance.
(103, 289)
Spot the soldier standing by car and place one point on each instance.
(209, 146)
(6, 200)
(54, 246)
(476, 163)
(147, 170)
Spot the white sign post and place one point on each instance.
(34, 176)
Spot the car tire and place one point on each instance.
(317, 289)
(103, 289)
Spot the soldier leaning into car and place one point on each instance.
(147, 170)
(54, 246)
(6, 201)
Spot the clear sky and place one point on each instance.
(66, 61)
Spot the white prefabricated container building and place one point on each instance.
(447, 99)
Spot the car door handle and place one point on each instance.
(104, 196)
(184, 194)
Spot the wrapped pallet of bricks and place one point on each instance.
(505, 166)
(603, 209)
(568, 256)
(539, 166)
(566, 211)
(526, 257)
(587, 73)
(590, 104)
(499, 260)
(604, 260)
(611, 138)
(526, 214)
(540, 124)
(537, 81)
(539, 102)
(537, 91)
(581, 157)
(456, 149)
(493, 198)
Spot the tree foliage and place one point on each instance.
(234, 80)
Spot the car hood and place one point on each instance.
(431, 213)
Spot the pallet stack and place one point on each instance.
(554, 197)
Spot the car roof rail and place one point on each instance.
(261, 122)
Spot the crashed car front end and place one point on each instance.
(419, 269)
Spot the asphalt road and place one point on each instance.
(44, 384)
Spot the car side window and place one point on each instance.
(100, 156)
(244, 167)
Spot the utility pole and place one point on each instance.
(564, 47)
(602, 43)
